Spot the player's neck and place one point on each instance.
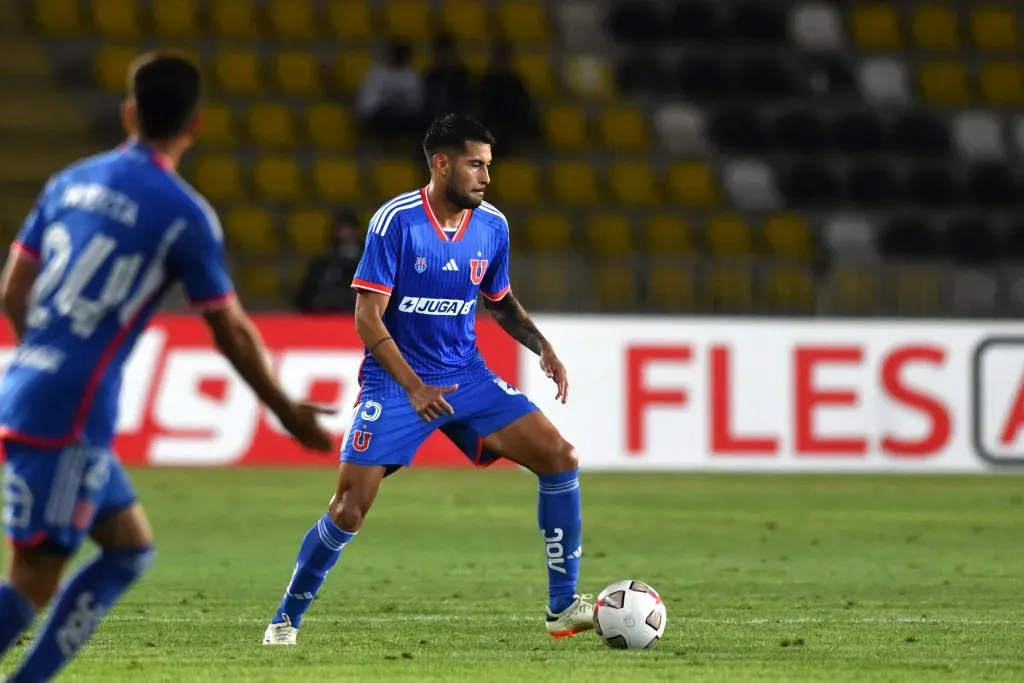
(171, 152)
(448, 215)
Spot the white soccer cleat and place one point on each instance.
(576, 618)
(281, 634)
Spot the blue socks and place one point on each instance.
(16, 613)
(560, 519)
(80, 607)
(318, 553)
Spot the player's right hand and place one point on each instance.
(301, 422)
(429, 403)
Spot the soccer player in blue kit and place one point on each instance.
(428, 254)
(107, 238)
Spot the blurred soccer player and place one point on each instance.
(108, 237)
(428, 254)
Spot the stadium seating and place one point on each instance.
(712, 155)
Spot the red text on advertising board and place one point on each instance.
(888, 374)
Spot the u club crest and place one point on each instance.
(421, 264)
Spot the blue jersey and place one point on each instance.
(433, 278)
(111, 234)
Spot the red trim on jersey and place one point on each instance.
(497, 297)
(438, 228)
(82, 414)
(33, 541)
(462, 226)
(213, 304)
(24, 251)
(158, 158)
(371, 286)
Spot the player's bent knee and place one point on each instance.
(560, 458)
(348, 512)
(130, 563)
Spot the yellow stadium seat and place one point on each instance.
(788, 236)
(307, 232)
(616, 286)
(524, 21)
(277, 179)
(392, 177)
(554, 284)
(292, 19)
(934, 27)
(609, 234)
(337, 180)
(250, 229)
(218, 125)
(1002, 83)
(516, 181)
(297, 72)
(465, 19)
(407, 19)
(875, 26)
(57, 17)
(671, 288)
(574, 182)
(329, 126)
(237, 71)
(270, 125)
(350, 18)
(917, 292)
(233, 19)
(116, 18)
(791, 290)
(622, 127)
(218, 178)
(632, 182)
(350, 69)
(174, 18)
(590, 77)
(565, 127)
(111, 67)
(259, 282)
(994, 28)
(535, 70)
(549, 232)
(732, 289)
(944, 83)
(728, 234)
(852, 290)
(692, 183)
(668, 234)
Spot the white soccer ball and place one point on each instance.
(629, 615)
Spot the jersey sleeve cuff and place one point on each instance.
(213, 303)
(24, 251)
(497, 297)
(368, 286)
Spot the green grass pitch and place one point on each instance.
(765, 579)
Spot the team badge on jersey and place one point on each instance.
(421, 264)
(477, 268)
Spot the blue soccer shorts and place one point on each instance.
(388, 432)
(53, 496)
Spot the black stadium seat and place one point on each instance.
(860, 133)
(993, 185)
(932, 186)
(971, 241)
(909, 238)
(643, 74)
(765, 78)
(873, 185)
(697, 22)
(637, 22)
(921, 135)
(739, 130)
(756, 22)
(801, 132)
(809, 185)
(703, 79)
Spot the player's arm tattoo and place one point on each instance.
(514, 319)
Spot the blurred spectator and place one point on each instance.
(325, 288)
(390, 100)
(505, 104)
(449, 86)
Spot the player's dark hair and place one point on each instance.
(450, 133)
(166, 89)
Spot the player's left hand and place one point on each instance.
(554, 369)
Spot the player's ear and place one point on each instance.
(129, 117)
(440, 163)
